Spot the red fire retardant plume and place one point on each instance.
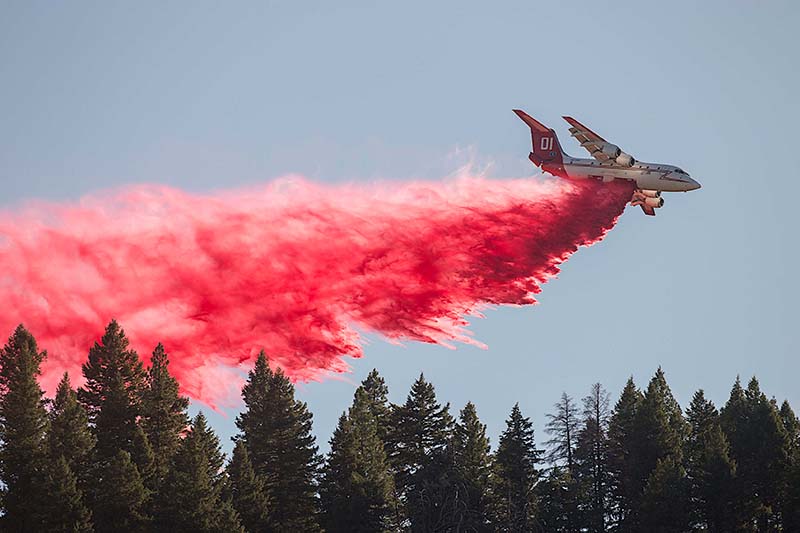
(294, 268)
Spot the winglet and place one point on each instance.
(532, 122)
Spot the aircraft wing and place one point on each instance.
(589, 140)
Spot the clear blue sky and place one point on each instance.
(210, 95)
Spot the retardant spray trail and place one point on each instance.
(294, 268)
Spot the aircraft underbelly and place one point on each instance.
(652, 180)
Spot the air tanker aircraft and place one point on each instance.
(609, 164)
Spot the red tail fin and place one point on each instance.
(546, 148)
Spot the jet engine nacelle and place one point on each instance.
(651, 194)
(654, 202)
(626, 160)
(611, 150)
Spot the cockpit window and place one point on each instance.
(679, 171)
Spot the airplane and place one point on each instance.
(610, 163)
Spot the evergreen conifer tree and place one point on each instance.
(556, 504)
(760, 446)
(665, 501)
(790, 507)
(562, 425)
(69, 436)
(193, 498)
(277, 430)
(591, 456)
(661, 428)
(473, 466)
(710, 470)
(70, 441)
(163, 414)
(115, 382)
(377, 393)
(357, 486)
(622, 443)
(23, 423)
(421, 440)
(514, 497)
(120, 496)
(64, 508)
(247, 493)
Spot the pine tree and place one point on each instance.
(64, 509)
(591, 456)
(473, 466)
(247, 492)
(625, 484)
(377, 393)
(357, 486)
(70, 441)
(562, 426)
(790, 499)
(515, 506)
(555, 502)
(163, 414)
(760, 446)
(374, 386)
(115, 382)
(121, 496)
(660, 433)
(192, 498)
(710, 470)
(665, 502)
(69, 436)
(661, 428)
(420, 442)
(277, 430)
(23, 423)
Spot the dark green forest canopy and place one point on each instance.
(120, 454)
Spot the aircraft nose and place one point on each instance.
(695, 185)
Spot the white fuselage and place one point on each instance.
(648, 176)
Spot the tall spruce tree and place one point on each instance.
(622, 449)
(374, 386)
(661, 434)
(193, 496)
(23, 423)
(69, 441)
(357, 487)
(277, 430)
(473, 469)
(69, 436)
(120, 497)
(665, 501)
(514, 495)
(247, 493)
(760, 446)
(115, 382)
(64, 509)
(562, 425)
(164, 415)
(555, 502)
(421, 445)
(661, 428)
(790, 499)
(710, 469)
(591, 456)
